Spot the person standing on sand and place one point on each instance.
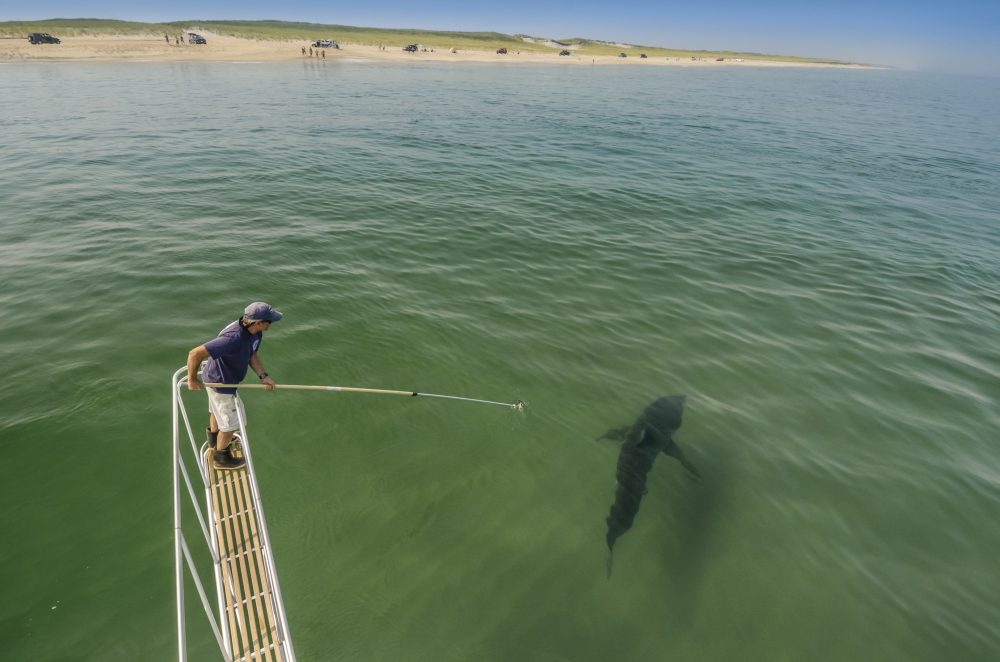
(303, 51)
(310, 52)
(167, 37)
(324, 55)
(229, 355)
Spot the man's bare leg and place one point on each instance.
(224, 439)
(212, 431)
(221, 454)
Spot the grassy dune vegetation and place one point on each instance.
(346, 34)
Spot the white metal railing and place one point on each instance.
(182, 554)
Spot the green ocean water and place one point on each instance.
(811, 256)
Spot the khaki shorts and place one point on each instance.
(224, 407)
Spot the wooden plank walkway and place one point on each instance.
(247, 593)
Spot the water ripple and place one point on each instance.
(812, 257)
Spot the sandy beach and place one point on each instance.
(232, 49)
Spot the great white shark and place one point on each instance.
(642, 442)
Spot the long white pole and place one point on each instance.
(381, 391)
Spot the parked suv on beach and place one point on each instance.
(196, 38)
(42, 38)
(412, 48)
(564, 52)
(325, 43)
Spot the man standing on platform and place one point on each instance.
(229, 355)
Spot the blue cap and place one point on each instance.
(259, 311)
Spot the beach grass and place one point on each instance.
(391, 37)
(83, 27)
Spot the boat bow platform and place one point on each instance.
(248, 621)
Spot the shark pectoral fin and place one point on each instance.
(673, 450)
(615, 434)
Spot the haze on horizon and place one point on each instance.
(956, 37)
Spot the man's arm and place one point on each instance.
(258, 368)
(195, 357)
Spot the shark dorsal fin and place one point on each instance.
(647, 438)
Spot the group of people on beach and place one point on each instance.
(319, 52)
(178, 40)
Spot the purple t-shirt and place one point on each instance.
(230, 351)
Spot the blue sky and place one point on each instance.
(961, 35)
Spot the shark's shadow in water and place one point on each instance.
(692, 541)
(642, 442)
